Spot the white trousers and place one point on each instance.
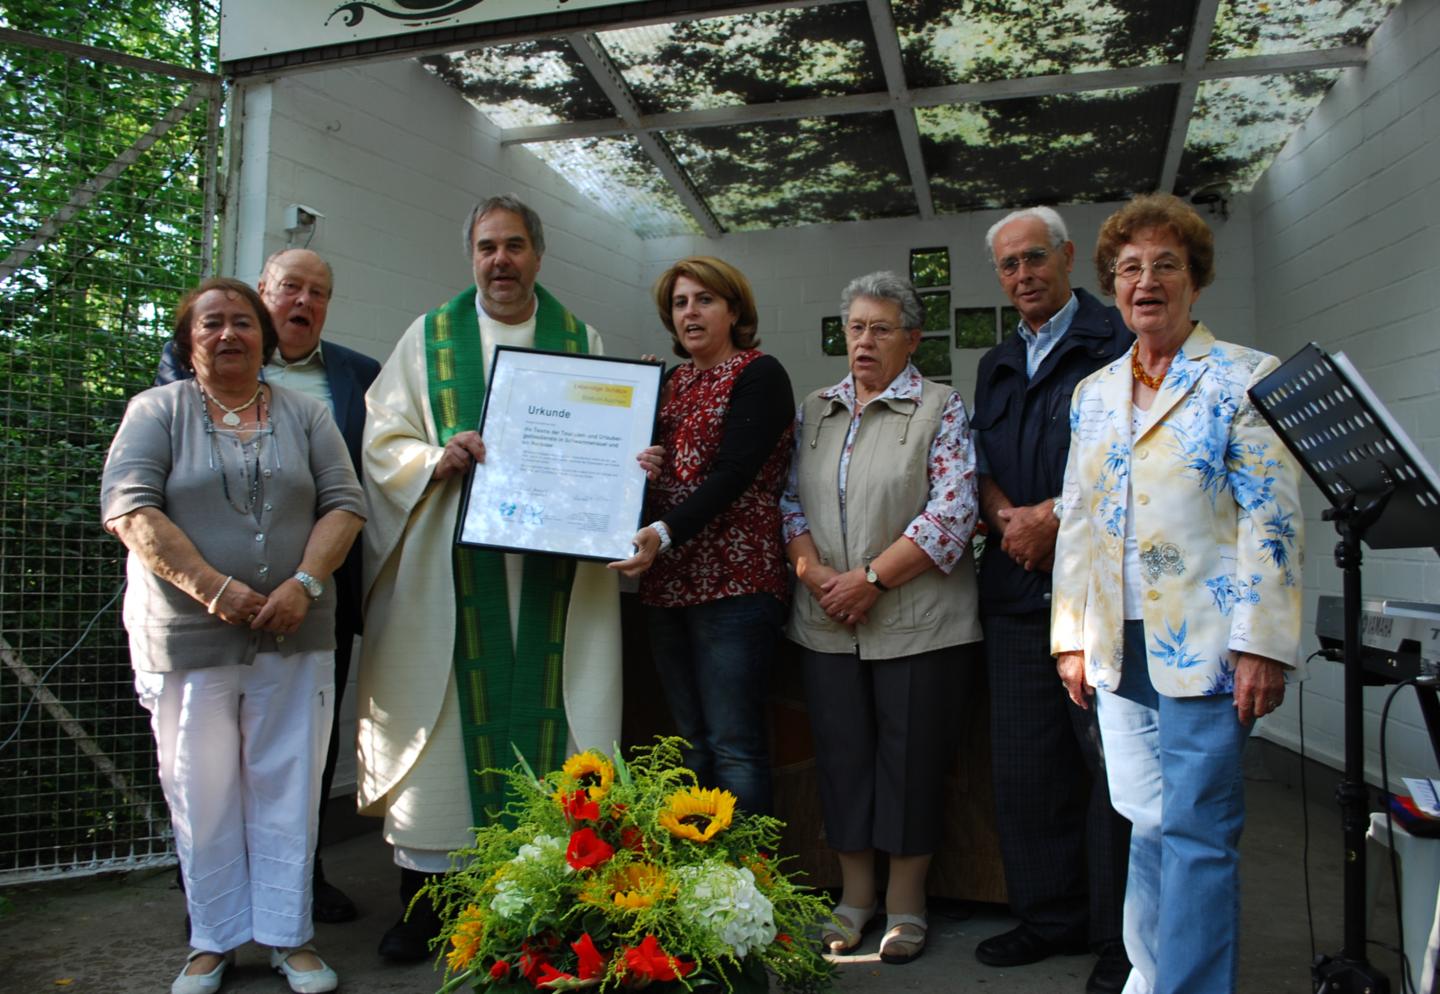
(241, 752)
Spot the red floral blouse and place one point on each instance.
(713, 446)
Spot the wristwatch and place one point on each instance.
(312, 586)
(873, 578)
(1058, 510)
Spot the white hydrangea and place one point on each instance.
(512, 900)
(724, 901)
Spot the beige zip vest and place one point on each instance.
(888, 486)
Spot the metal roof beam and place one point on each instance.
(887, 44)
(607, 76)
(1201, 31)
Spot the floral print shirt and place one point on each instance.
(1214, 499)
(943, 529)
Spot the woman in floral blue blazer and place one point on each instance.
(1176, 590)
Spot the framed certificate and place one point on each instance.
(561, 433)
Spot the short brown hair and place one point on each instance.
(719, 277)
(185, 316)
(1156, 210)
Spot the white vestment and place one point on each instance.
(411, 754)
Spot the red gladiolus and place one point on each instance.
(648, 960)
(532, 960)
(632, 838)
(587, 850)
(499, 970)
(579, 807)
(548, 974)
(591, 963)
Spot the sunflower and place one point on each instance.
(697, 813)
(637, 885)
(588, 770)
(466, 938)
(628, 888)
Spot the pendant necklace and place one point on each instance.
(249, 482)
(232, 414)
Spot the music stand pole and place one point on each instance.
(1351, 972)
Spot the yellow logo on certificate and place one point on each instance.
(607, 394)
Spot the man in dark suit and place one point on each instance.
(296, 285)
(1064, 848)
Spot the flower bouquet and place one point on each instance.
(615, 875)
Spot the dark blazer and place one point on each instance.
(1023, 428)
(350, 374)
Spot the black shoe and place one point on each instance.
(1111, 971)
(408, 940)
(1022, 945)
(329, 903)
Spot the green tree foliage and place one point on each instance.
(82, 319)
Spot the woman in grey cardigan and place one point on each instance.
(877, 521)
(236, 501)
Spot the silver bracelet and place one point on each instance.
(216, 599)
(664, 534)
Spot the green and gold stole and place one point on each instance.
(510, 688)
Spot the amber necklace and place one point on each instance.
(1138, 371)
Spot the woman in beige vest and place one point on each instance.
(878, 516)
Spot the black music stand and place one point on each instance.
(1382, 492)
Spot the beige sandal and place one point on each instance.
(904, 938)
(846, 932)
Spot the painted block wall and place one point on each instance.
(1347, 254)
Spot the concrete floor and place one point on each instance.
(124, 933)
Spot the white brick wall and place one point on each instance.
(1347, 254)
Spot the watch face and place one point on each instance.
(870, 575)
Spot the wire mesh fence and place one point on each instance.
(107, 167)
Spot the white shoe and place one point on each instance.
(303, 981)
(202, 983)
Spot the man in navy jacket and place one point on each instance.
(296, 285)
(1064, 848)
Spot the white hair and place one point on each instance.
(886, 285)
(1053, 224)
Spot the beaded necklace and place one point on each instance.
(1138, 371)
(249, 479)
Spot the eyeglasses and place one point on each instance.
(880, 329)
(1034, 258)
(1162, 269)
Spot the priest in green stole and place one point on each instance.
(467, 651)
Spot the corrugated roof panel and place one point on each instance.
(780, 174)
(946, 42)
(1076, 147)
(786, 54)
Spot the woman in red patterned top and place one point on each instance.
(712, 561)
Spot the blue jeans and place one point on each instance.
(1174, 772)
(714, 664)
